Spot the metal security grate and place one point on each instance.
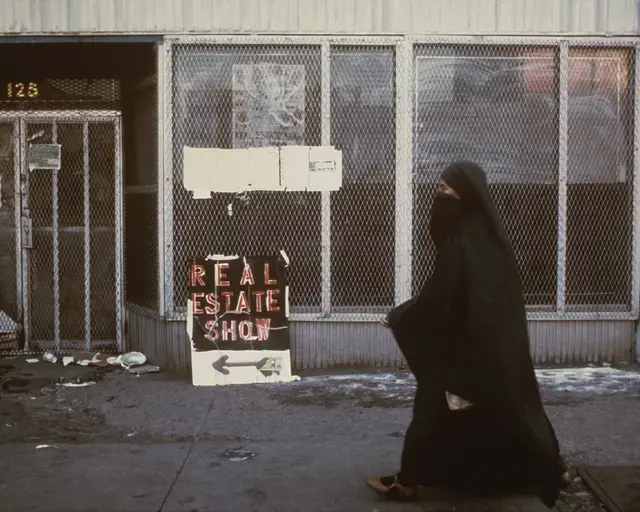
(363, 210)
(141, 198)
(497, 106)
(551, 122)
(68, 275)
(600, 179)
(204, 115)
(9, 258)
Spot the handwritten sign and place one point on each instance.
(238, 319)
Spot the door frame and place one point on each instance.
(20, 118)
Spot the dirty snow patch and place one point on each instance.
(588, 380)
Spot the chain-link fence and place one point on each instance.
(552, 125)
(61, 272)
(74, 220)
(10, 311)
(485, 104)
(362, 212)
(141, 196)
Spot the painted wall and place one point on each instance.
(526, 17)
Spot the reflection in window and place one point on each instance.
(362, 211)
(497, 106)
(239, 96)
(600, 163)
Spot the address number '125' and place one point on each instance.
(22, 90)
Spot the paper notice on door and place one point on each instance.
(325, 168)
(44, 156)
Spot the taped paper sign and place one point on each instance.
(286, 168)
(325, 168)
(209, 170)
(238, 320)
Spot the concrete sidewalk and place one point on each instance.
(155, 442)
(189, 477)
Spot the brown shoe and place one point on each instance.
(565, 482)
(396, 491)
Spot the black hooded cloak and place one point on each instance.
(466, 333)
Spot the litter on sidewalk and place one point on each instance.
(237, 454)
(77, 384)
(147, 368)
(133, 359)
(49, 357)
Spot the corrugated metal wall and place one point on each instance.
(527, 17)
(355, 344)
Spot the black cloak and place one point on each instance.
(466, 333)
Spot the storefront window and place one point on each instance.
(363, 210)
(600, 173)
(497, 106)
(247, 96)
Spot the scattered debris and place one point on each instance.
(77, 384)
(33, 360)
(41, 446)
(133, 359)
(147, 368)
(67, 360)
(49, 357)
(237, 454)
(85, 355)
(115, 360)
(131, 434)
(9, 329)
(606, 363)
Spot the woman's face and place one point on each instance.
(446, 191)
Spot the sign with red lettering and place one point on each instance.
(239, 303)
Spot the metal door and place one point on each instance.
(69, 278)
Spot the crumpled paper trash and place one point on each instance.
(132, 359)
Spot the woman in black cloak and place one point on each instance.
(478, 422)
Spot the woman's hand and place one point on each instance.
(384, 322)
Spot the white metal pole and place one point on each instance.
(56, 244)
(563, 134)
(167, 185)
(404, 172)
(87, 238)
(160, 193)
(325, 85)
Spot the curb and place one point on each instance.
(600, 493)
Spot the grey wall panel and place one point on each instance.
(582, 341)
(588, 17)
(350, 344)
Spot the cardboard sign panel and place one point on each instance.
(238, 319)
